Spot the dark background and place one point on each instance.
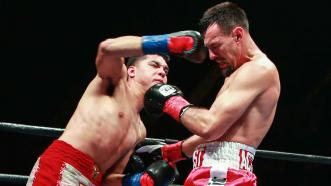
(47, 60)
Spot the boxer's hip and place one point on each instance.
(222, 163)
(62, 163)
(220, 175)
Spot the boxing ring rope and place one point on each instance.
(12, 178)
(56, 132)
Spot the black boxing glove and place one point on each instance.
(135, 164)
(162, 173)
(159, 173)
(187, 44)
(164, 98)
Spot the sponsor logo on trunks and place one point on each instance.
(246, 160)
(198, 157)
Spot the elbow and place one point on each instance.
(103, 49)
(210, 134)
(105, 46)
(205, 135)
(209, 131)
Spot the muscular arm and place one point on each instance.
(190, 144)
(230, 104)
(111, 53)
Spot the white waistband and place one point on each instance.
(230, 154)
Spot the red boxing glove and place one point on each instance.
(173, 152)
(146, 180)
(175, 106)
(187, 44)
(179, 44)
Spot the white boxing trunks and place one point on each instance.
(222, 163)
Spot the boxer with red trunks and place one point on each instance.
(64, 165)
(226, 134)
(101, 135)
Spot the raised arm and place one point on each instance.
(111, 53)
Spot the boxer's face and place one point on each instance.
(222, 48)
(150, 70)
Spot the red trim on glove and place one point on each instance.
(146, 180)
(174, 105)
(178, 45)
(173, 152)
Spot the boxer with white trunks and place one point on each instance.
(222, 163)
(242, 112)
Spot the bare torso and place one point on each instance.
(255, 122)
(105, 126)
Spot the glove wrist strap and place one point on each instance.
(155, 44)
(173, 152)
(174, 106)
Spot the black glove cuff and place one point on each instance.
(183, 110)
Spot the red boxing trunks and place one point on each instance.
(62, 164)
(222, 163)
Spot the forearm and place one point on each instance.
(164, 98)
(124, 46)
(120, 165)
(112, 179)
(206, 123)
(190, 144)
(197, 120)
